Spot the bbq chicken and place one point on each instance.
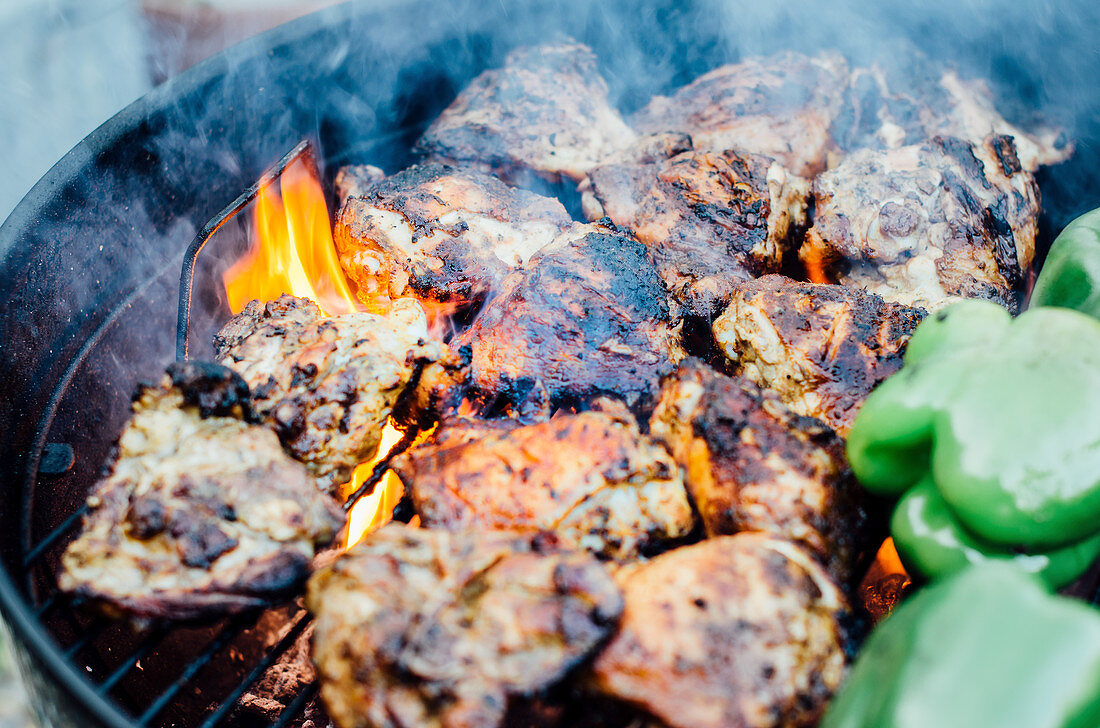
(821, 348)
(781, 106)
(738, 630)
(201, 513)
(441, 234)
(326, 384)
(709, 219)
(751, 464)
(592, 478)
(422, 629)
(886, 110)
(545, 112)
(587, 316)
(355, 180)
(928, 224)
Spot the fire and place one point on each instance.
(292, 249)
(372, 511)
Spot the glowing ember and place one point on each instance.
(374, 510)
(815, 268)
(292, 249)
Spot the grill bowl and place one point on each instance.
(90, 259)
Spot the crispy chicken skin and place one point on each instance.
(442, 234)
(781, 106)
(545, 111)
(709, 219)
(928, 224)
(326, 384)
(821, 348)
(738, 631)
(886, 110)
(355, 180)
(592, 478)
(420, 629)
(751, 464)
(201, 513)
(587, 316)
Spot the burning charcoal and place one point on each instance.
(752, 464)
(441, 234)
(200, 514)
(709, 219)
(781, 106)
(821, 348)
(735, 631)
(326, 384)
(432, 628)
(545, 111)
(927, 225)
(592, 478)
(355, 180)
(587, 316)
(884, 110)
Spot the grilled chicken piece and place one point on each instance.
(592, 478)
(440, 233)
(355, 180)
(738, 630)
(927, 225)
(884, 110)
(326, 384)
(201, 513)
(545, 111)
(587, 316)
(710, 219)
(419, 628)
(821, 348)
(781, 106)
(751, 464)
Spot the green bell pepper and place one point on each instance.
(1000, 415)
(932, 542)
(1070, 277)
(987, 648)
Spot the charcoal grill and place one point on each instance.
(90, 260)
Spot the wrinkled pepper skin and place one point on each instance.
(1000, 415)
(986, 648)
(930, 541)
(1070, 277)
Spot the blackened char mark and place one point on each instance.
(215, 390)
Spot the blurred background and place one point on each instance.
(68, 66)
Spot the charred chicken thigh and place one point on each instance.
(886, 110)
(440, 233)
(587, 316)
(545, 111)
(709, 219)
(326, 384)
(751, 464)
(202, 513)
(927, 224)
(592, 478)
(781, 106)
(821, 348)
(738, 630)
(420, 629)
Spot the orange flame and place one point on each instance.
(372, 511)
(292, 249)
